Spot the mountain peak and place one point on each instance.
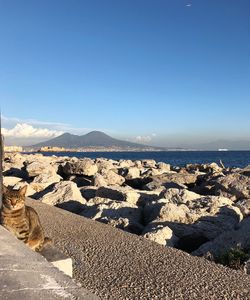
(66, 134)
(96, 132)
(92, 139)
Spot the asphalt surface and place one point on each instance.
(117, 265)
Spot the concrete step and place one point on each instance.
(58, 259)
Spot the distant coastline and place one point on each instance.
(174, 157)
(120, 149)
(29, 149)
(104, 149)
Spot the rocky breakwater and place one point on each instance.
(201, 209)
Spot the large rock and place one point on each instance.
(29, 158)
(118, 193)
(44, 180)
(179, 205)
(64, 194)
(160, 234)
(37, 161)
(80, 167)
(123, 215)
(240, 236)
(178, 178)
(212, 217)
(207, 205)
(163, 167)
(13, 160)
(132, 172)
(179, 196)
(107, 177)
(170, 180)
(233, 186)
(36, 168)
(13, 165)
(164, 211)
(125, 163)
(205, 217)
(225, 219)
(112, 178)
(99, 180)
(138, 164)
(30, 191)
(204, 168)
(11, 180)
(148, 163)
(104, 164)
(151, 172)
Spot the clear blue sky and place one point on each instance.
(166, 70)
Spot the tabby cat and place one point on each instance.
(22, 220)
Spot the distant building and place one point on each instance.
(13, 149)
(51, 149)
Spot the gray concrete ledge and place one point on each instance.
(58, 259)
(25, 274)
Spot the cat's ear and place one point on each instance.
(23, 190)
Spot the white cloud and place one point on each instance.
(143, 139)
(9, 122)
(23, 130)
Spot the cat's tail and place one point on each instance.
(47, 241)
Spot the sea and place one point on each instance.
(176, 158)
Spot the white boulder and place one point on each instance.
(80, 167)
(11, 180)
(160, 234)
(63, 192)
(119, 214)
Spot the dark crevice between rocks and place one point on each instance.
(191, 242)
(138, 183)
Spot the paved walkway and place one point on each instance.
(117, 265)
(26, 275)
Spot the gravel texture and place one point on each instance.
(117, 265)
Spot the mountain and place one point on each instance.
(227, 144)
(91, 139)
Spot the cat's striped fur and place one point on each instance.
(22, 220)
